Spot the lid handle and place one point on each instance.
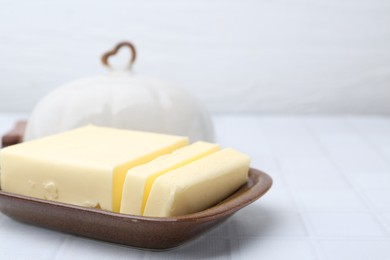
(114, 51)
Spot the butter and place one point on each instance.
(197, 185)
(85, 166)
(140, 179)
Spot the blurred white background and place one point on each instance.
(279, 56)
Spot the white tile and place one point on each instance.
(283, 125)
(356, 152)
(370, 180)
(379, 140)
(386, 152)
(349, 144)
(278, 182)
(357, 249)
(84, 248)
(203, 248)
(330, 200)
(386, 218)
(353, 152)
(306, 164)
(293, 145)
(242, 133)
(276, 249)
(288, 136)
(260, 222)
(328, 124)
(311, 172)
(379, 198)
(370, 124)
(265, 163)
(316, 180)
(277, 200)
(356, 164)
(223, 230)
(23, 241)
(345, 224)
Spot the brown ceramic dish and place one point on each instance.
(137, 231)
(15, 135)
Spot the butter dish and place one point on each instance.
(135, 231)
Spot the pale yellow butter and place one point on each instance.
(140, 179)
(86, 166)
(197, 185)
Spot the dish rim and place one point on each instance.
(236, 201)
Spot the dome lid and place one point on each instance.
(121, 99)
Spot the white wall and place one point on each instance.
(279, 56)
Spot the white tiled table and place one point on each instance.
(330, 199)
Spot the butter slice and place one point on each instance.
(198, 185)
(140, 179)
(85, 166)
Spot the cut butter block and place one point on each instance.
(197, 185)
(140, 179)
(85, 166)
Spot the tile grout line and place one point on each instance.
(312, 133)
(355, 190)
(308, 226)
(363, 137)
(373, 209)
(63, 245)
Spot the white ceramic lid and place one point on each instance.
(121, 99)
